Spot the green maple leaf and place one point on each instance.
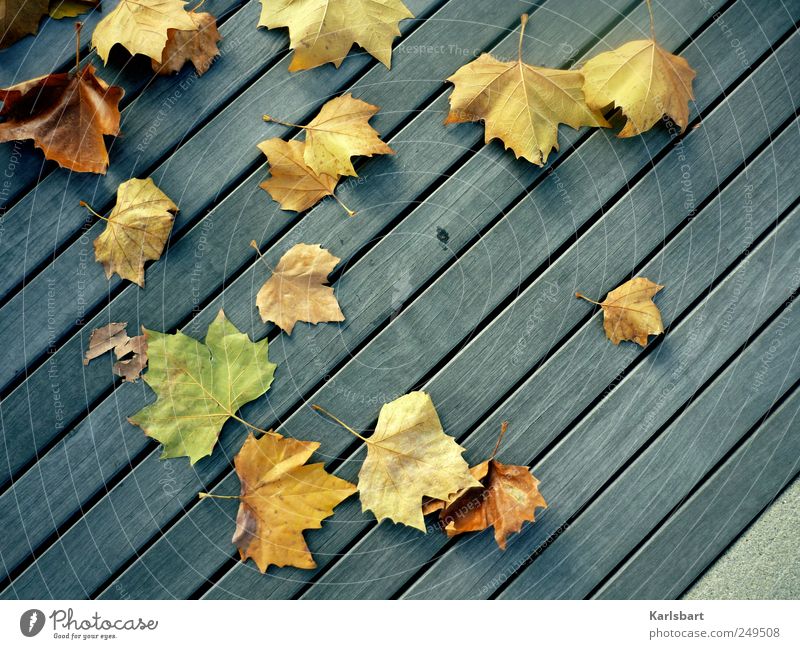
(200, 386)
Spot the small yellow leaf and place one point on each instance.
(281, 496)
(644, 80)
(141, 27)
(323, 31)
(629, 312)
(297, 290)
(197, 45)
(520, 104)
(293, 183)
(137, 230)
(339, 131)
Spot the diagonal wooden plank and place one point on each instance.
(202, 234)
(667, 472)
(693, 537)
(586, 356)
(196, 536)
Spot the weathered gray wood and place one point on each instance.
(695, 535)
(668, 471)
(21, 164)
(588, 355)
(73, 275)
(342, 393)
(642, 402)
(246, 304)
(51, 216)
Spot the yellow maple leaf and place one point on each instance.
(323, 31)
(294, 184)
(136, 230)
(629, 312)
(520, 104)
(297, 291)
(281, 497)
(141, 27)
(409, 457)
(198, 45)
(339, 131)
(644, 80)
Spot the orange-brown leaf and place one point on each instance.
(66, 115)
(281, 497)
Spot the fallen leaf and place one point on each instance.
(197, 45)
(66, 115)
(136, 230)
(141, 27)
(104, 339)
(297, 291)
(71, 8)
(131, 368)
(642, 79)
(340, 131)
(520, 104)
(629, 312)
(294, 184)
(19, 18)
(409, 457)
(323, 31)
(508, 496)
(281, 497)
(200, 386)
(131, 353)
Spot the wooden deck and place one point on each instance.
(457, 277)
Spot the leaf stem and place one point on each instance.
(524, 21)
(652, 21)
(268, 118)
(583, 297)
(89, 207)
(203, 495)
(255, 428)
(338, 421)
(254, 245)
(346, 209)
(503, 429)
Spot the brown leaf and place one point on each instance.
(137, 229)
(281, 497)
(19, 18)
(293, 183)
(198, 46)
(66, 115)
(104, 339)
(629, 312)
(297, 290)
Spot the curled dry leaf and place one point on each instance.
(520, 104)
(297, 290)
(136, 230)
(141, 27)
(131, 353)
(200, 386)
(340, 131)
(19, 18)
(197, 45)
(644, 80)
(281, 497)
(323, 31)
(66, 115)
(629, 312)
(508, 496)
(293, 183)
(71, 8)
(409, 457)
